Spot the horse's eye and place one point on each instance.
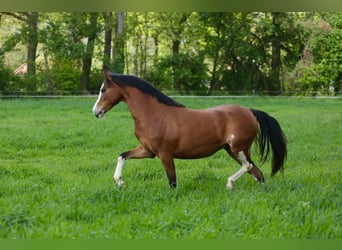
(103, 90)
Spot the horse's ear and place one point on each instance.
(105, 68)
(107, 74)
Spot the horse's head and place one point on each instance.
(110, 94)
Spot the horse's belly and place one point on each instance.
(194, 156)
(197, 151)
(200, 138)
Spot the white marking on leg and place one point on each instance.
(245, 166)
(234, 177)
(118, 170)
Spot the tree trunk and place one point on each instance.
(214, 81)
(176, 33)
(143, 70)
(274, 84)
(119, 44)
(48, 78)
(135, 58)
(107, 39)
(32, 24)
(156, 49)
(175, 47)
(214, 75)
(88, 56)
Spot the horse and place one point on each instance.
(167, 129)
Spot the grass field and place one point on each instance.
(57, 162)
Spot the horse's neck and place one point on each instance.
(142, 106)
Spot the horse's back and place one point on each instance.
(200, 133)
(234, 114)
(221, 119)
(230, 108)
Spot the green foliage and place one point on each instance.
(57, 163)
(320, 68)
(191, 52)
(96, 78)
(182, 72)
(8, 81)
(327, 49)
(63, 34)
(65, 76)
(5, 76)
(70, 46)
(11, 42)
(118, 64)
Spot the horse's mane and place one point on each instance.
(144, 87)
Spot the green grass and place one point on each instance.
(57, 162)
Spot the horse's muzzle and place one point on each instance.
(98, 113)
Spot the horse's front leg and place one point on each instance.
(169, 166)
(118, 170)
(137, 153)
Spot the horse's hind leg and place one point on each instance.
(256, 173)
(247, 165)
(137, 153)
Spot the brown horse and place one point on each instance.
(168, 130)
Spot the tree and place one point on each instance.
(187, 52)
(176, 30)
(70, 40)
(229, 46)
(274, 82)
(108, 16)
(32, 42)
(30, 31)
(319, 69)
(213, 37)
(119, 44)
(91, 31)
(280, 41)
(139, 30)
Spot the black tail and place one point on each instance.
(270, 132)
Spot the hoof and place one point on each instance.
(229, 185)
(261, 179)
(173, 184)
(120, 182)
(257, 174)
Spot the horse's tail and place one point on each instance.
(270, 133)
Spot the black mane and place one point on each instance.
(144, 87)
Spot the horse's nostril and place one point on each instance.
(99, 114)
